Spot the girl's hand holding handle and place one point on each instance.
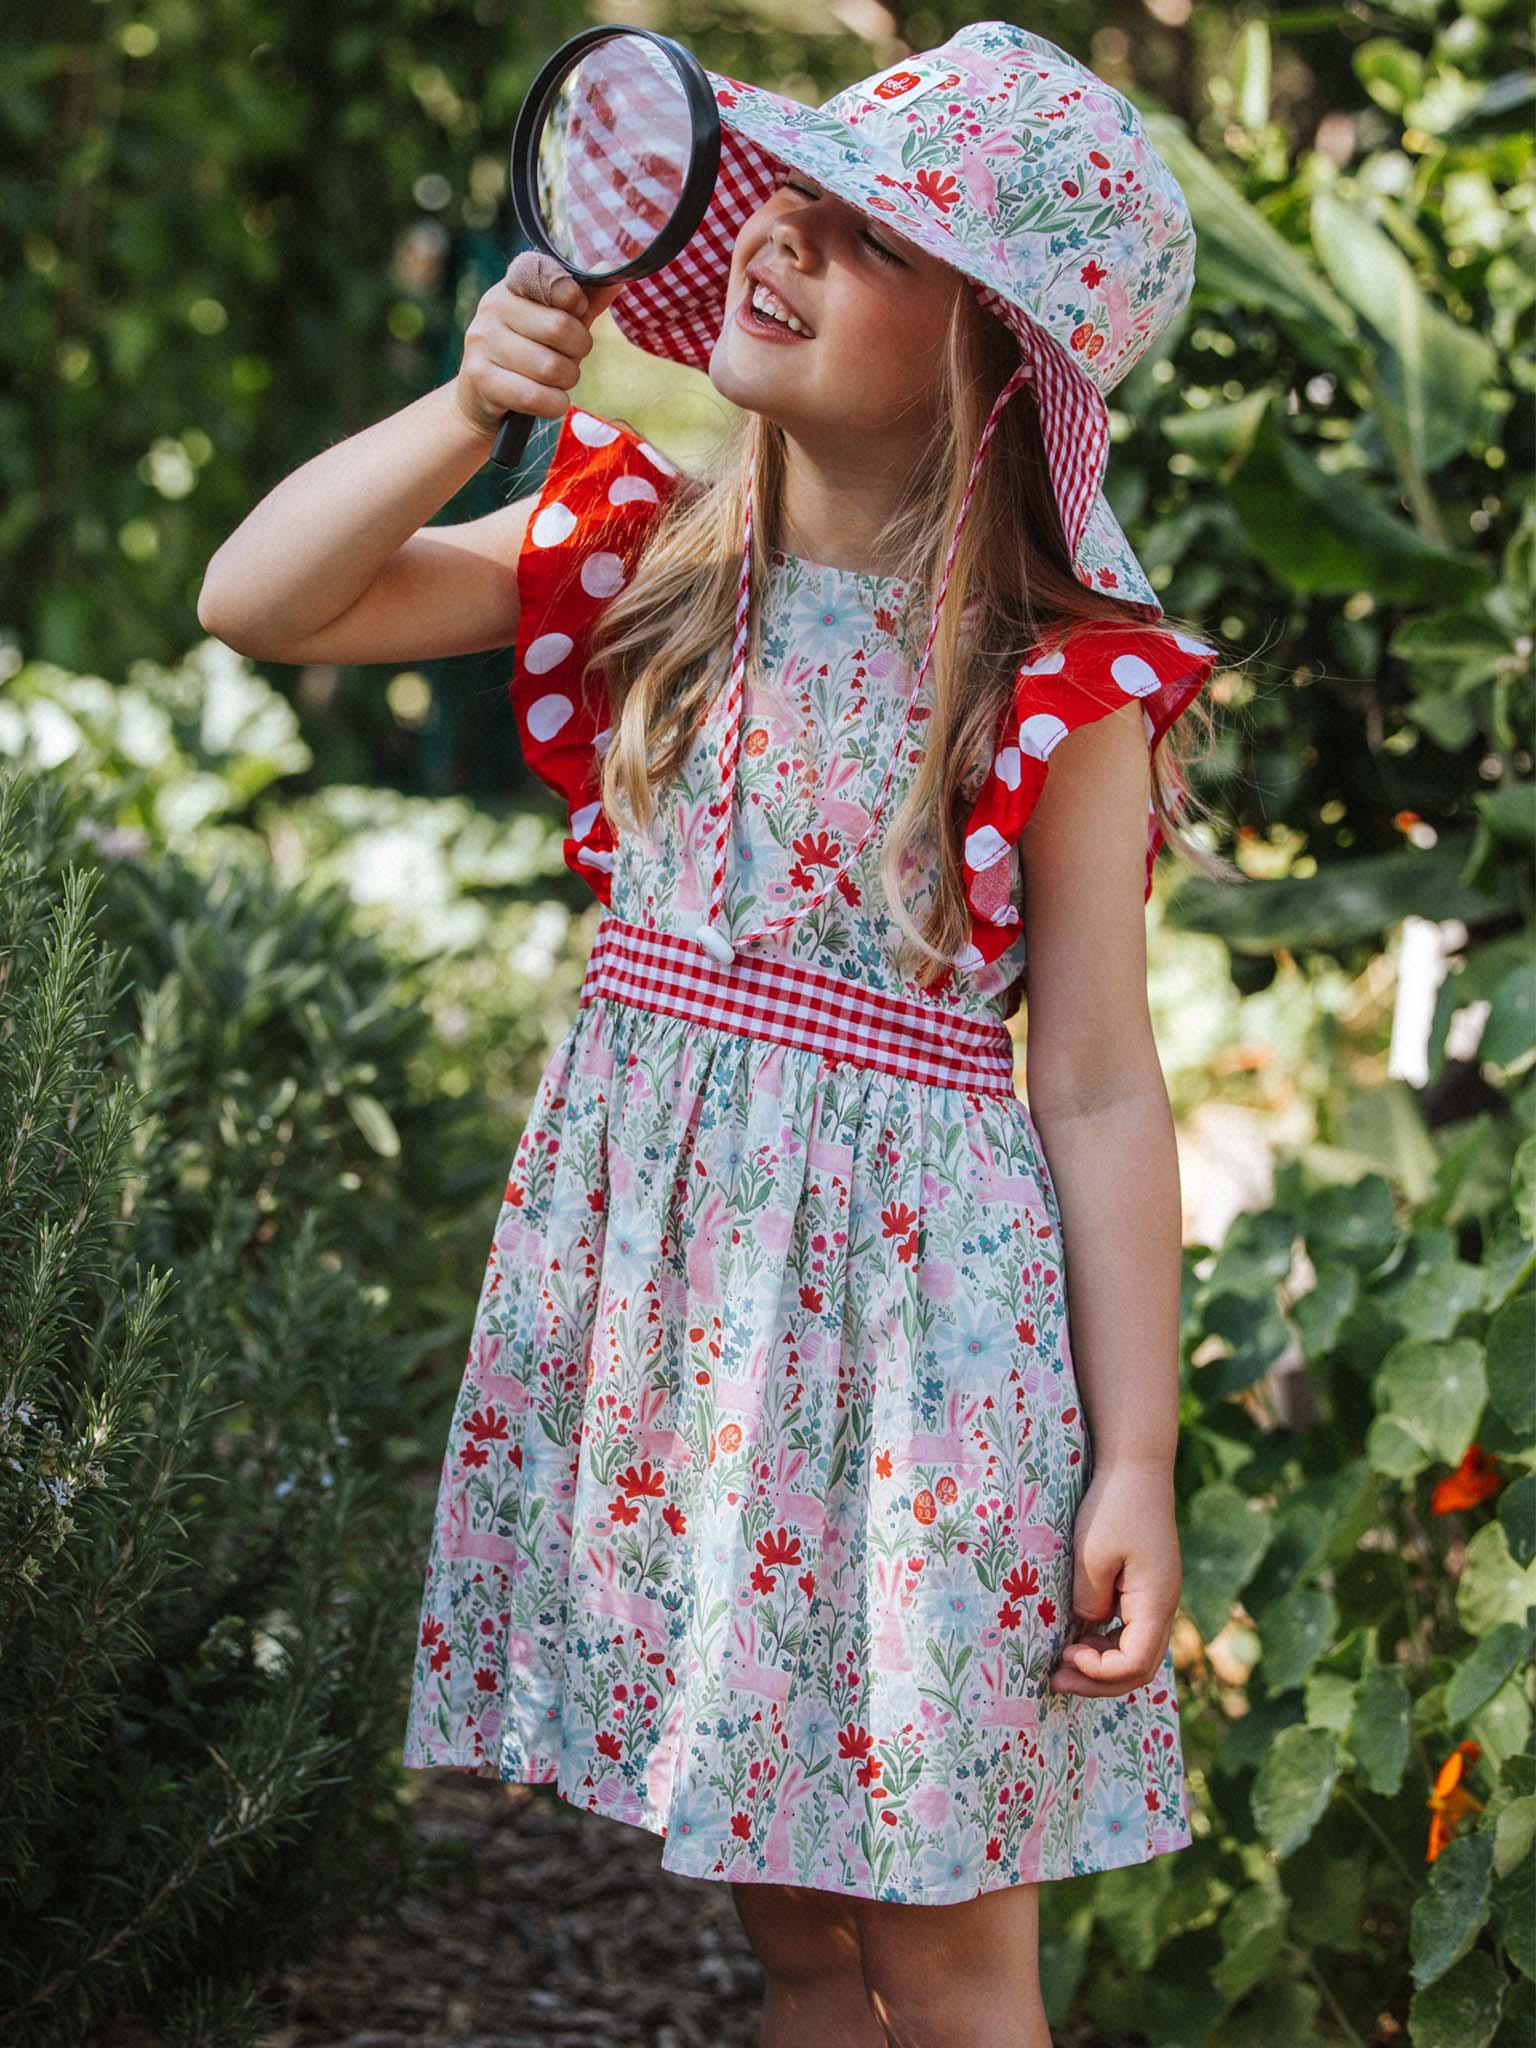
(524, 348)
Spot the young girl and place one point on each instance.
(780, 1516)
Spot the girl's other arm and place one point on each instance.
(1096, 1088)
(1096, 1092)
(337, 563)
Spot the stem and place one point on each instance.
(1332, 2003)
(1410, 1877)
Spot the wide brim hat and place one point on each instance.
(1003, 156)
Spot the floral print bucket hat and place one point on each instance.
(1003, 156)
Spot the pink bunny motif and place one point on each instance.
(654, 1439)
(974, 172)
(688, 894)
(604, 1595)
(746, 1672)
(998, 1709)
(952, 1447)
(486, 1355)
(889, 1651)
(803, 1510)
(457, 1538)
(1035, 1539)
(703, 1246)
(790, 1794)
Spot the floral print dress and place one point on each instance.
(755, 1521)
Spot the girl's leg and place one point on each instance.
(965, 1976)
(808, 1944)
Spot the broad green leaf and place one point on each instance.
(1510, 1031)
(1514, 1835)
(1460, 2009)
(1256, 1330)
(1514, 1904)
(1294, 1785)
(1480, 1675)
(1510, 1344)
(1510, 813)
(1294, 1630)
(1493, 1588)
(1395, 1450)
(1447, 1918)
(1356, 1224)
(1285, 2010)
(1222, 1538)
(1436, 1391)
(1318, 1313)
(1523, 1186)
(1386, 1126)
(1379, 1734)
(1252, 1938)
(1517, 1518)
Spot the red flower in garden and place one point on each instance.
(816, 849)
(1009, 1616)
(761, 1581)
(741, 1826)
(811, 1299)
(488, 1426)
(609, 1745)
(649, 1480)
(485, 1679)
(938, 186)
(1023, 1582)
(1475, 1478)
(623, 1511)
(779, 1547)
(1092, 274)
(472, 1454)
(674, 1518)
(854, 1741)
(883, 1464)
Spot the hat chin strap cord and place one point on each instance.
(705, 930)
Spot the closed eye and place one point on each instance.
(890, 256)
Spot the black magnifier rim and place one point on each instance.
(703, 161)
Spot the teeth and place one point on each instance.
(768, 303)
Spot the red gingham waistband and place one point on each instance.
(762, 997)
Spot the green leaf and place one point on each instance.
(1510, 1345)
(1221, 1541)
(375, 1123)
(1510, 1031)
(1434, 1391)
(1448, 1918)
(1493, 1588)
(1460, 2009)
(1479, 1677)
(1294, 1785)
(1294, 1630)
(1523, 1187)
(1257, 1333)
(1318, 1314)
(1380, 1731)
(1252, 1938)
(1285, 2010)
(1356, 1223)
(1514, 1835)
(1517, 1517)
(1514, 1897)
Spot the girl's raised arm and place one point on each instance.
(337, 563)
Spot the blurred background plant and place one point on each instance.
(346, 929)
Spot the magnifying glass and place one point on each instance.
(614, 161)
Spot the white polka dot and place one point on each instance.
(625, 490)
(1041, 733)
(594, 857)
(583, 820)
(969, 958)
(984, 846)
(1008, 913)
(1192, 646)
(1047, 665)
(1148, 725)
(547, 652)
(600, 741)
(1007, 766)
(547, 714)
(657, 459)
(1136, 677)
(601, 575)
(552, 525)
(594, 432)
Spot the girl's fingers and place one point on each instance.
(1129, 1660)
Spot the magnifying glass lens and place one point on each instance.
(613, 155)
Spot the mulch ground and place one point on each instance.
(541, 1927)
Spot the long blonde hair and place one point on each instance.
(664, 640)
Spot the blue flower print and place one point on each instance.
(975, 1340)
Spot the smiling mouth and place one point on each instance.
(763, 312)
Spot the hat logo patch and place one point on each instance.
(910, 81)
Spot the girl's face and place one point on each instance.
(875, 306)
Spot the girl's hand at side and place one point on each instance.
(1125, 1555)
(521, 355)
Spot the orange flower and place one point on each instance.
(1475, 1478)
(1451, 1802)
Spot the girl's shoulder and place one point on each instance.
(602, 492)
(1070, 678)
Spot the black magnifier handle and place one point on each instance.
(532, 275)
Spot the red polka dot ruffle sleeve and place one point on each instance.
(1055, 692)
(599, 501)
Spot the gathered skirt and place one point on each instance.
(754, 1526)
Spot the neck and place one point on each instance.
(837, 497)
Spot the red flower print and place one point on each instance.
(488, 1425)
(761, 1581)
(994, 1850)
(779, 1547)
(1008, 1616)
(1098, 159)
(1046, 1609)
(811, 1299)
(868, 1771)
(1069, 1414)
(1108, 579)
(609, 1745)
(674, 1518)
(1153, 1802)
(1071, 187)
(473, 1455)
(1022, 1583)
(648, 1480)
(938, 186)
(1081, 335)
(741, 1826)
(854, 1741)
(897, 1220)
(485, 1679)
(431, 1632)
(886, 619)
(923, 1508)
(807, 1584)
(883, 1464)
(817, 849)
(1092, 274)
(622, 1511)
(1095, 347)
(1025, 1329)
(755, 743)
